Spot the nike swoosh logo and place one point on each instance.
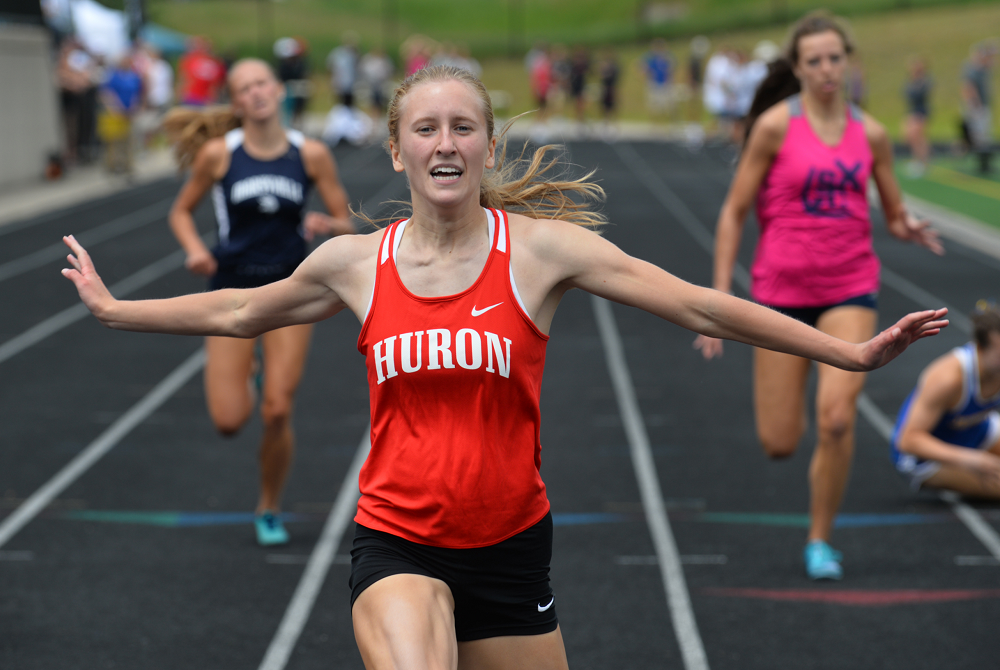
(542, 609)
(477, 312)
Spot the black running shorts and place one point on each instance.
(499, 590)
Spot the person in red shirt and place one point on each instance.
(456, 304)
(200, 74)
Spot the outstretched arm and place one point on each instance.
(595, 265)
(901, 224)
(305, 297)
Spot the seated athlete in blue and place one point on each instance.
(947, 435)
(260, 175)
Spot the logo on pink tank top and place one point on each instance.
(825, 191)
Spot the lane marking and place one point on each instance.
(322, 556)
(678, 599)
(303, 559)
(71, 315)
(882, 423)
(138, 413)
(977, 560)
(89, 238)
(858, 598)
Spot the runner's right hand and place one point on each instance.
(89, 285)
(201, 262)
(710, 347)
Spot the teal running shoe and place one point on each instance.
(823, 561)
(270, 530)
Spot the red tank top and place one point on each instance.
(454, 386)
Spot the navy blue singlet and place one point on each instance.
(259, 207)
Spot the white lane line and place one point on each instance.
(879, 420)
(94, 236)
(138, 413)
(322, 556)
(685, 626)
(71, 315)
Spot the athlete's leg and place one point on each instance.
(285, 352)
(405, 622)
(541, 652)
(779, 385)
(227, 368)
(836, 410)
(952, 478)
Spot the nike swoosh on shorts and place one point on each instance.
(542, 609)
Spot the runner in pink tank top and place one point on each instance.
(815, 243)
(805, 166)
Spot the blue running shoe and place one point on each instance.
(823, 561)
(270, 530)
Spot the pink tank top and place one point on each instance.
(815, 245)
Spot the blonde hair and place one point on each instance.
(535, 187)
(188, 128)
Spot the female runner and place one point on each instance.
(806, 165)
(947, 434)
(451, 552)
(260, 174)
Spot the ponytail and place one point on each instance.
(779, 84)
(188, 128)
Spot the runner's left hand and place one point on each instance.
(890, 343)
(920, 232)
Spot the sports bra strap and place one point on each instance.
(795, 105)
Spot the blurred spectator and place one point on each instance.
(917, 93)
(562, 68)
(200, 74)
(717, 92)
(75, 73)
(343, 66)
(746, 76)
(578, 71)
(121, 99)
(658, 67)
(537, 50)
(977, 98)
(416, 52)
(158, 85)
(609, 72)
(376, 70)
(696, 65)
(293, 72)
(540, 77)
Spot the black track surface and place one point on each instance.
(90, 594)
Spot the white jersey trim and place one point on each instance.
(221, 213)
(295, 138)
(234, 138)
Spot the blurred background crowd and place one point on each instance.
(115, 74)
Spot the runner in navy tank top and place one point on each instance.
(258, 207)
(260, 175)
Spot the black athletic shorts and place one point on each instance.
(249, 276)
(810, 315)
(499, 590)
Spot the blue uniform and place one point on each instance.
(974, 424)
(259, 207)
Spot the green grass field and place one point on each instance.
(955, 184)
